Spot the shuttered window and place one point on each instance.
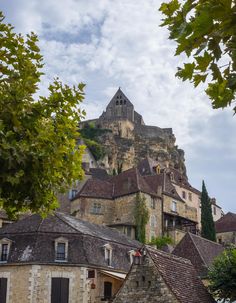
(60, 290)
(3, 290)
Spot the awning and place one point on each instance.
(116, 275)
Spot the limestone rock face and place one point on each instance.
(130, 140)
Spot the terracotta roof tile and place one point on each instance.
(226, 224)
(181, 277)
(201, 252)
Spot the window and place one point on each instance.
(3, 290)
(108, 254)
(4, 249)
(91, 274)
(129, 231)
(190, 196)
(131, 254)
(214, 209)
(61, 249)
(60, 290)
(171, 176)
(183, 194)
(117, 102)
(107, 290)
(153, 203)
(153, 220)
(174, 206)
(96, 209)
(72, 193)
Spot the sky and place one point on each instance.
(108, 44)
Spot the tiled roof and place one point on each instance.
(201, 252)
(158, 180)
(145, 166)
(96, 188)
(99, 173)
(130, 181)
(226, 224)
(182, 181)
(33, 237)
(181, 277)
(127, 182)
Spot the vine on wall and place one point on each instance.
(141, 216)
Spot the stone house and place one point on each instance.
(201, 252)
(226, 229)
(113, 201)
(61, 259)
(156, 276)
(178, 217)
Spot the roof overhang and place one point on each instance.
(113, 274)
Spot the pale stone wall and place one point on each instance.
(176, 235)
(32, 283)
(125, 209)
(82, 208)
(216, 212)
(145, 284)
(226, 237)
(193, 202)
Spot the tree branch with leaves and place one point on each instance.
(39, 156)
(205, 31)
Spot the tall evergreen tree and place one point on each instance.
(208, 226)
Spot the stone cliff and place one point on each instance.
(129, 140)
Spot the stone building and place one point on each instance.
(163, 278)
(130, 140)
(113, 202)
(178, 216)
(226, 229)
(201, 252)
(61, 259)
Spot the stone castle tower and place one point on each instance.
(130, 140)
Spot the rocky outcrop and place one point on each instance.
(130, 140)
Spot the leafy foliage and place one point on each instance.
(38, 153)
(208, 226)
(91, 135)
(141, 216)
(96, 148)
(222, 276)
(161, 241)
(205, 32)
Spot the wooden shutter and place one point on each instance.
(60, 290)
(3, 290)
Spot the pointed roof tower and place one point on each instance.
(119, 108)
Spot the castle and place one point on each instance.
(131, 139)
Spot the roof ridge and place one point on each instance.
(204, 239)
(169, 255)
(59, 215)
(190, 235)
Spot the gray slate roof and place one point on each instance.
(33, 241)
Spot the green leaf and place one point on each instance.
(186, 72)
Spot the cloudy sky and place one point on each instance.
(107, 44)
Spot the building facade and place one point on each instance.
(61, 259)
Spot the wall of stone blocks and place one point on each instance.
(144, 284)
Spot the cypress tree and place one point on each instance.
(208, 226)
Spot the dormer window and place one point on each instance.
(108, 254)
(131, 254)
(4, 249)
(61, 249)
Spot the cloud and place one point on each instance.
(108, 44)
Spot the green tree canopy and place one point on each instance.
(208, 226)
(222, 276)
(38, 152)
(205, 30)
